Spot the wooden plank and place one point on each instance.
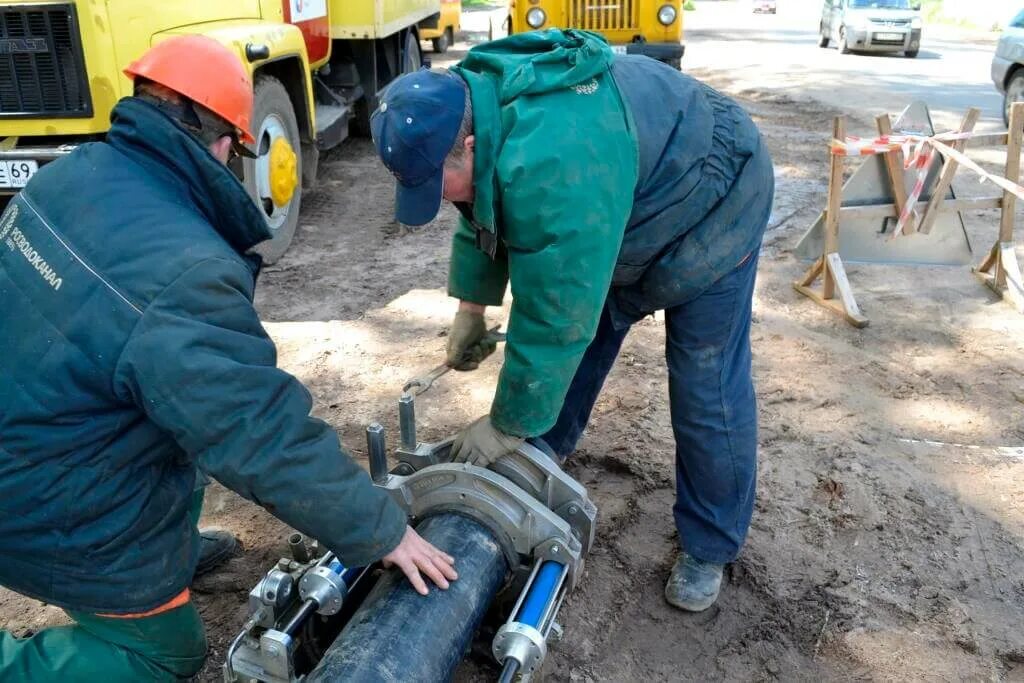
(1006, 281)
(835, 202)
(1013, 283)
(894, 167)
(988, 140)
(946, 177)
(812, 273)
(832, 305)
(1012, 171)
(991, 260)
(835, 266)
(947, 206)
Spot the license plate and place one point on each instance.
(888, 36)
(16, 173)
(619, 49)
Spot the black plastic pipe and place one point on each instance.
(399, 635)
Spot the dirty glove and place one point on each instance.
(481, 443)
(468, 341)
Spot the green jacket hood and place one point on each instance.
(540, 61)
(502, 70)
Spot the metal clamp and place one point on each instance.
(275, 592)
(528, 467)
(519, 519)
(536, 473)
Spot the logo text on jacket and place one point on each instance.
(17, 241)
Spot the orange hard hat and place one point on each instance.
(204, 71)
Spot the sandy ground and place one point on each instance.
(872, 555)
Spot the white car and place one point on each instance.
(1008, 64)
(871, 25)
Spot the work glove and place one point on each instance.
(468, 341)
(482, 444)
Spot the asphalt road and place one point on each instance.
(780, 52)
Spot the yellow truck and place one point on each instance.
(443, 35)
(644, 27)
(318, 68)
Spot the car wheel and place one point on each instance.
(1014, 93)
(822, 36)
(843, 47)
(272, 178)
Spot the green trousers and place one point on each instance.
(170, 646)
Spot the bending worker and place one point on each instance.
(130, 354)
(604, 188)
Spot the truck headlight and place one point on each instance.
(536, 17)
(915, 22)
(666, 15)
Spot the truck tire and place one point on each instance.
(273, 118)
(822, 36)
(412, 60)
(442, 42)
(911, 53)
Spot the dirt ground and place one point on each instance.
(873, 555)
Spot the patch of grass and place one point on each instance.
(932, 11)
(688, 6)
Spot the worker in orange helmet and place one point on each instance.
(132, 359)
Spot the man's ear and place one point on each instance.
(470, 142)
(221, 149)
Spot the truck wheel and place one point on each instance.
(1014, 93)
(442, 42)
(822, 36)
(272, 179)
(911, 53)
(413, 59)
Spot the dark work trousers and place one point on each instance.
(714, 411)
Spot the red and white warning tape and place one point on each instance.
(918, 152)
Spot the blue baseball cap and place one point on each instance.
(414, 129)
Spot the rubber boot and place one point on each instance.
(215, 548)
(694, 584)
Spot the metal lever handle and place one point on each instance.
(376, 450)
(407, 421)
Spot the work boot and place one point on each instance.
(215, 548)
(693, 584)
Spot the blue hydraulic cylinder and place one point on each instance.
(540, 595)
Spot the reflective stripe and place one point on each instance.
(178, 600)
(24, 198)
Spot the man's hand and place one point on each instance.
(481, 443)
(468, 340)
(414, 555)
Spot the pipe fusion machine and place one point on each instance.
(519, 530)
